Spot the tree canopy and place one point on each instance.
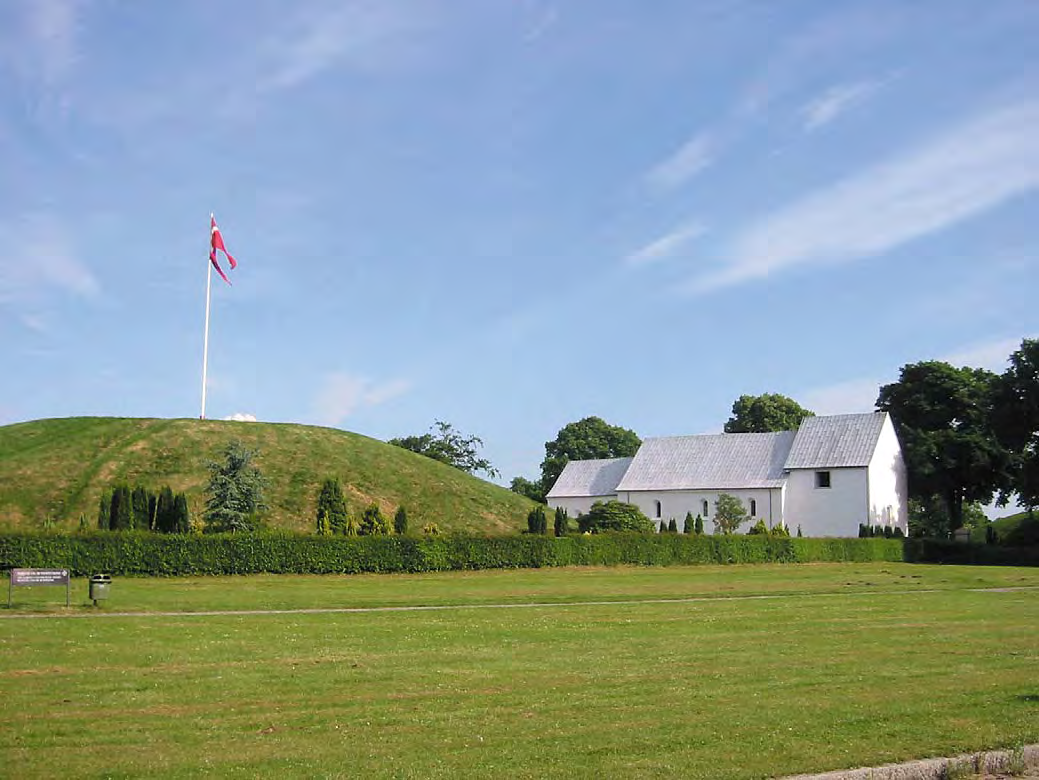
(589, 438)
(445, 444)
(944, 420)
(765, 414)
(1017, 420)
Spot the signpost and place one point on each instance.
(40, 577)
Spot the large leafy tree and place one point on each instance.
(589, 438)
(1017, 420)
(944, 419)
(765, 414)
(235, 490)
(445, 444)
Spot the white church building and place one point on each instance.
(827, 477)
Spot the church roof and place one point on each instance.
(717, 461)
(587, 478)
(837, 441)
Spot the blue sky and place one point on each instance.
(510, 215)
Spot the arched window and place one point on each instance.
(658, 508)
(704, 506)
(753, 508)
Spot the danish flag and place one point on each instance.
(216, 241)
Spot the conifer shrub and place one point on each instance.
(121, 513)
(139, 502)
(400, 521)
(332, 503)
(689, 524)
(373, 523)
(698, 527)
(780, 530)
(562, 522)
(104, 511)
(672, 526)
(759, 527)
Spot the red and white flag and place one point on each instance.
(216, 241)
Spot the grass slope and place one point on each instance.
(852, 665)
(56, 470)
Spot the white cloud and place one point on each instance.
(37, 256)
(851, 397)
(665, 246)
(691, 158)
(860, 395)
(835, 101)
(342, 394)
(241, 417)
(362, 34)
(960, 174)
(992, 355)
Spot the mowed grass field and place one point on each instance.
(720, 672)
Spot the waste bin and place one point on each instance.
(100, 584)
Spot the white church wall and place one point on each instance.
(836, 510)
(768, 505)
(888, 489)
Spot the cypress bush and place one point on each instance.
(400, 521)
(688, 526)
(562, 522)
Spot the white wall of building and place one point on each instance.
(888, 488)
(827, 511)
(577, 505)
(675, 503)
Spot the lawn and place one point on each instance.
(680, 672)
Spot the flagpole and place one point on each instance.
(205, 341)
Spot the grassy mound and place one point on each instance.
(52, 472)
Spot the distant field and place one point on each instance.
(834, 666)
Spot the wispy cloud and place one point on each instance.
(39, 42)
(666, 246)
(850, 397)
(362, 34)
(685, 163)
(991, 355)
(342, 394)
(37, 257)
(960, 174)
(825, 108)
(860, 395)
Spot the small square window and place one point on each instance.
(822, 479)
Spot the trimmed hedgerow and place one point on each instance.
(130, 552)
(968, 553)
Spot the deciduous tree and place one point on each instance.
(944, 420)
(614, 516)
(445, 444)
(729, 514)
(765, 413)
(589, 438)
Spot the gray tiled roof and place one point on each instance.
(833, 442)
(721, 461)
(590, 478)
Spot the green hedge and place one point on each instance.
(129, 552)
(969, 553)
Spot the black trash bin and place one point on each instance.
(100, 584)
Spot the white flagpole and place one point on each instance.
(205, 341)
